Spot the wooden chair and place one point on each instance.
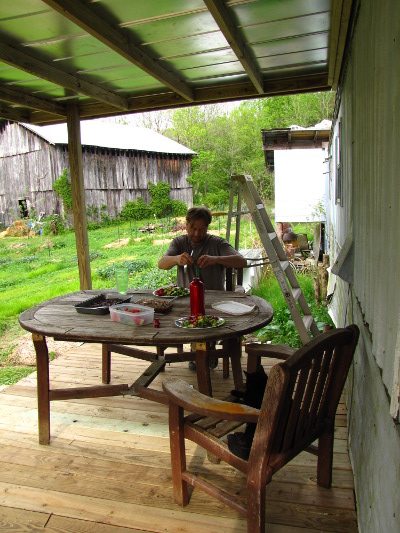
(299, 407)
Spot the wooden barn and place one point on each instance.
(119, 162)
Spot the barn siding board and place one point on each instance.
(29, 165)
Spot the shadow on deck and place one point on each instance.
(107, 468)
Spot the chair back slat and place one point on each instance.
(296, 391)
(316, 413)
(306, 414)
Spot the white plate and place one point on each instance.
(233, 308)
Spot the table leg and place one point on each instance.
(43, 386)
(105, 364)
(234, 349)
(203, 368)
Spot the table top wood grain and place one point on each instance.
(59, 319)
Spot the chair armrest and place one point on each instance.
(274, 351)
(181, 393)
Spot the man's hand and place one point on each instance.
(184, 259)
(205, 261)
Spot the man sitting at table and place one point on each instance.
(201, 254)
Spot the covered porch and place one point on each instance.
(107, 468)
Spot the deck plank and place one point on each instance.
(107, 468)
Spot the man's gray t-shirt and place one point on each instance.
(213, 276)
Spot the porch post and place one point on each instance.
(78, 196)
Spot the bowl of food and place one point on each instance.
(132, 314)
(160, 306)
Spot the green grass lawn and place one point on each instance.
(38, 268)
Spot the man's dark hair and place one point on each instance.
(199, 213)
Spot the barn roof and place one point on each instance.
(110, 135)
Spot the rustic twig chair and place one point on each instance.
(299, 407)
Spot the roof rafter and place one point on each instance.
(225, 23)
(16, 115)
(86, 19)
(31, 101)
(28, 63)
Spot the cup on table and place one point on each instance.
(122, 279)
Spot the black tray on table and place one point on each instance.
(100, 304)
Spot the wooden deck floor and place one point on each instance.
(107, 469)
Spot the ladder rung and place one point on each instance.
(296, 294)
(284, 264)
(307, 321)
(272, 235)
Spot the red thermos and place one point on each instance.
(197, 305)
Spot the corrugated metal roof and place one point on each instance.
(112, 57)
(109, 135)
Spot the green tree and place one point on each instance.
(231, 143)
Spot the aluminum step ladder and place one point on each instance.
(295, 300)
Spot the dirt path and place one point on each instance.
(24, 352)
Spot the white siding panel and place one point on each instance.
(370, 124)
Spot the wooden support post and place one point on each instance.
(324, 278)
(316, 288)
(78, 197)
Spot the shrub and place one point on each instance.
(160, 202)
(135, 210)
(177, 208)
(53, 224)
(135, 265)
(62, 187)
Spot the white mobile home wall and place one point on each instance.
(369, 117)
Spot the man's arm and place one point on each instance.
(169, 261)
(229, 261)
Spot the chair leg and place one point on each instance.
(325, 459)
(253, 362)
(225, 367)
(256, 508)
(178, 454)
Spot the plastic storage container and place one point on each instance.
(126, 314)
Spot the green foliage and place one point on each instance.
(136, 265)
(282, 329)
(160, 205)
(62, 187)
(177, 208)
(53, 224)
(159, 199)
(229, 144)
(12, 374)
(135, 210)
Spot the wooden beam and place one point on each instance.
(84, 17)
(204, 95)
(341, 11)
(78, 197)
(36, 67)
(231, 33)
(30, 101)
(16, 115)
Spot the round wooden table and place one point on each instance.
(59, 319)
